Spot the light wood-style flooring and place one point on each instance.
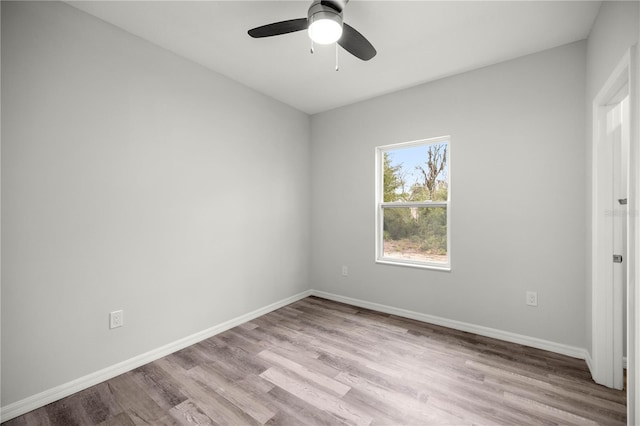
(318, 362)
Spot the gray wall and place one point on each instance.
(133, 179)
(518, 196)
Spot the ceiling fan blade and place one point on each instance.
(356, 44)
(277, 28)
(337, 5)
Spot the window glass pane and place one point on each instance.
(415, 233)
(416, 173)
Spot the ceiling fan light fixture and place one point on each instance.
(325, 31)
(325, 27)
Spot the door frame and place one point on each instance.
(607, 302)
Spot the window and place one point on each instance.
(412, 201)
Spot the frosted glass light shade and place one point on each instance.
(325, 31)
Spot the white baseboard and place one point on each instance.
(589, 361)
(560, 348)
(43, 398)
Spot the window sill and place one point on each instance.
(444, 267)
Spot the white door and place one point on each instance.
(618, 137)
(611, 226)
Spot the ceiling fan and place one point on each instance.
(325, 26)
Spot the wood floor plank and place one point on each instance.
(417, 406)
(229, 390)
(320, 362)
(121, 419)
(317, 397)
(237, 360)
(274, 335)
(135, 400)
(159, 386)
(100, 403)
(382, 413)
(562, 416)
(294, 411)
(247, 326)
(326, 383)
(241, 340)
(216, 407)
(188, 413)
(590, 388)
(313, 363)
(71, 411)
(165, 420)
(564, 399)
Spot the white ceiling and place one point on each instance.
(417, 41)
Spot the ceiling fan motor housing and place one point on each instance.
(319, 11)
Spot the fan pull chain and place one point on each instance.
(337, 66)
(311, 47)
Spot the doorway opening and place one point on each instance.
(613, 252)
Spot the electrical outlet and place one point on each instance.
(345, 270)
(532, 298)
(116, 319)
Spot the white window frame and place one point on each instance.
(381, 205)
